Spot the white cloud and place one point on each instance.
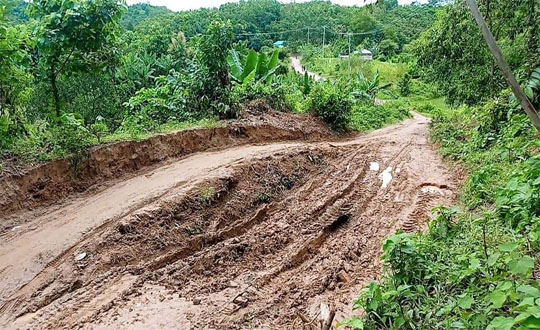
(194, 4)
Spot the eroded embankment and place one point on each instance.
(53, 181)
(272, 242)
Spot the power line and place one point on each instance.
(309, 29)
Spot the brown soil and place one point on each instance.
(45, 184)
(253, 236)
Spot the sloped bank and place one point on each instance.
(52, 181)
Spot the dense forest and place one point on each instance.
(77, 73)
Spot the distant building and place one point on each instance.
(366, 55)
(279, 44)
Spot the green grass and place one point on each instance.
(369, 117)
(42, 144)
(334, 68)
(166, 128)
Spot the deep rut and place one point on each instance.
(270, 238)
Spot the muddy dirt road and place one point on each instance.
(255, 236)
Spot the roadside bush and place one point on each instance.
(70, 137)
(366, 116)
(331, 102)
(405, 85)
(273, 94)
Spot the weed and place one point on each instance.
(262, 197)
(208, 195)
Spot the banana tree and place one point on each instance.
(255, 68)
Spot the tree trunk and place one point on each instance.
(56, 96)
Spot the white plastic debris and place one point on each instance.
(325, 312)
(398, 170)
(16, 228)
(386, 177)
(80, 256)
(374, 166)
(432, 190)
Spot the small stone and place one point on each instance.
(233, 284)
(343, 277)
(197, 301)
(16, 228)
(80, 256)
(241, 301)
(332, 286)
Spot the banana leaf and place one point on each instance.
(251, 64)
(235, 65)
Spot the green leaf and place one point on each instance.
(531, 322)
(235, 64)
(262, 67)
(508, 247)
(274, 59)
(354, 323)
(474, 263)
(251, 64)
(521, 266)
(521, 317)
(466, 302)
(249, 77)
(529, 290)
(497, 299)
(501, 323)
(527, 302)
(534, 311)
(457, 325)
(492, 260)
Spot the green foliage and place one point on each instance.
(366, 116)
(70, 137)
(255, 68)
(139, 12)
(273, 94)
(367, 89)
(405, 85)
(453, 55)
(69, 33)
(212, 50)
(532, 87)
(333, 103)
(110, 77)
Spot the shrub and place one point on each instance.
(273, 94)
(70, 137)
(405, 85)
(366, 116)
(331, 102)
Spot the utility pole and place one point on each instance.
(323, 36)
(323, 39)
(349, 35)
(508, 75)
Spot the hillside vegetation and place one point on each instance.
(77, 73)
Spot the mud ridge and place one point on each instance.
(51, 182)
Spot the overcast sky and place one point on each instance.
(194, 4)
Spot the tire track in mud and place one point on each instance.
(284, 236)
